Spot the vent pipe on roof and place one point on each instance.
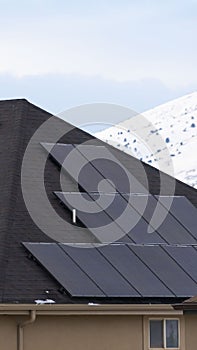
(74, 216)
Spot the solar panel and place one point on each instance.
(133, 221)
(171, 230)
(114, 172)
(184, 211)
(110, 210)
(120, 270)
(97, 216)
(166, 270)
(63, 269)
(91, 213)
(101, 272)
(89, 164)
(97, 165)
(92, 216)
(112, 205)
(58, 151)
(186, 257)
(139, 234)
(135, 271)
(111, 168)
(76, 165)
(89, 179)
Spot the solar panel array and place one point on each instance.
(120, 270)
(175, 229)
(95, 164)
(139, 264)
(178, 227)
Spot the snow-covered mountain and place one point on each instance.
(165, 137)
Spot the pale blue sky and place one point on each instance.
(60, 54)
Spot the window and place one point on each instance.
(164, 334)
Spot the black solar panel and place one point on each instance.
(89, 179)
(186, 257)
(184, 211)
(101, 272)
(63, 269)
(111, 168)
(139, 234)
(122, 210)
(110, 209)
(88, 211)
(112, 213)
(76, 165)
(166, 269)
(58, 151)
(89, 164)
(98, 221)
(170, 230)
(98, 164)
(119, 270)
(135, 271)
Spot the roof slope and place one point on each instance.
(19, 120)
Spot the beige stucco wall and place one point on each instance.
(191, 332)
(75, 333)
(89, 332)
(8, 333)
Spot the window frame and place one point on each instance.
(164, 319)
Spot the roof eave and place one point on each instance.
(88, 309)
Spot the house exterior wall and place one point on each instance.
(85, 333)
(8, 332)
(88, 332)
(191, 332)
(78, 327)
(74, 333)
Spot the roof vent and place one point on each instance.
(74, 216)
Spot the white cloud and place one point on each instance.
(145, 40)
